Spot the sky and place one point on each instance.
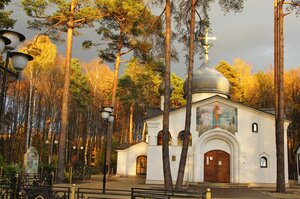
(247, 35)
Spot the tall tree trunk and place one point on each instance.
(131, 122)
(116, 77)
(29, 112)
(165, 146)
(65, 99)
(114, 104)
(280, 182)
(187, 128)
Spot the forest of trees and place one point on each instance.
(90, 88)
(33, 106)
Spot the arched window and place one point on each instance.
(141, 165)
(263, 162)
(160, 138)
(181, 137)
(254, 127)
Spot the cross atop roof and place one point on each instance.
(206, 38)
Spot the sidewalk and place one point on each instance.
(293, 192)
(127, 183)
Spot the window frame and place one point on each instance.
(180, 141)
(265, 163)
(160, 138)
(255, 127)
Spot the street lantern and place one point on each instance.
(108, 117)
(4, 41)
(15, 38)
(9, 40)
(111, 118)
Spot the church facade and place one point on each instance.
(229, 142)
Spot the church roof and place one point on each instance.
(217, 97)
(153, 112)
(127, 145)
(206, 79)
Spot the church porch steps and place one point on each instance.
(217, 185)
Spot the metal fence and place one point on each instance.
(161, 193)
(9, 191)
(35, 187)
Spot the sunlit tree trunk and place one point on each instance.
(131, 123)
(29, 112)
(114, 104)
(280, 182)
(185, 145)
(65, 99)
(165, 147)
(116, 77)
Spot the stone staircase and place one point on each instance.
(217, 185)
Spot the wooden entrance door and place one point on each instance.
(141, 165)
(216, 166)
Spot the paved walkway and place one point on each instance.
(217, 193)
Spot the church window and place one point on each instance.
(141, 165)
(254, 127)
(181, 137)
(263, 162)
(160, 138)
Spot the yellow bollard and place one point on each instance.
(208, 193)
(73, 191)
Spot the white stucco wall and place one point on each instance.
(298, 166)
(245, 147)
(126, 164)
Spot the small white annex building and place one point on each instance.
(229, 142)
(297, 153)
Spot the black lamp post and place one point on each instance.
(9, 40)
(106, 114)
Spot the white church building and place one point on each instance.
(229, 142)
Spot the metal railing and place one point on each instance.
(162, 193)
(88, 193)
(19, 190)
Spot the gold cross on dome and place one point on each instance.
(206, 38)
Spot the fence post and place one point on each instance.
(70, 175)
(42, 173)
(73, 191)
(50, 179)
(16, 186)
(132, 197)
(208, 193)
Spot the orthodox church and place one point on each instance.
(229, 142)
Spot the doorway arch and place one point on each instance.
(217, 166)
(216, 139)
